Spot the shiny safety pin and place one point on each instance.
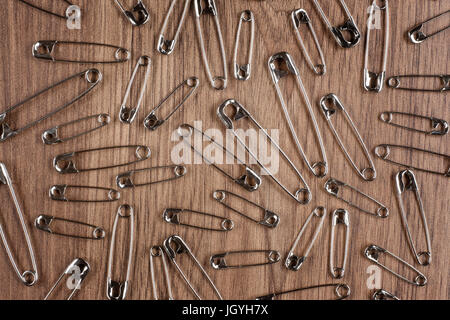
(138, 15)
(47, 11)
(341, 291)
(166, 46)
(125, 180)
(158, 252)
(59, 193)
(382, 294)
(172, 215)
(339, 217)
(44, 222)
(218, 261)
(416, 34)
(243, 72)
(395, 82)
(438, 126)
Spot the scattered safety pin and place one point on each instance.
(330, 105)
(51, 136)
(28, 277)
(341, 291)
(153, 122)
(243, 72)
(59, 193)
(395, 81)
(175, 246)
(294, 262)
(125, 180)
(217, 82)
(373, 253)
(416, 34)
(382, 294)
(92, 76)
(339, 216)
(45, 10)
(405, 180)
(282, 65)
(128, 114)
(300, 17)
(218, 261)
(117, 290)
(138, 15)
(166, 46)
(438, 126)
(43, 223)
(155, 252)
(172, 215)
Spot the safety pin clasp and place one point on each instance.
(417, 35)
(44, 222)
(218, 261)
(138, 15)
(173, 216)
(382, 294)
(339, 217)
(59, 193)
(243, 72)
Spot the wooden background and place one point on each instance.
(29, 161)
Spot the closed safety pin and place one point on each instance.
(218, 261)
(294, 262)
(382, 294)
(339, 216)
(138, 15)
(270, 219)
(174, 246)
(125, 180)
(47, 11)
(172, 215)
(395, 82)
(153, 122)
(209, 7)
(438, 126)
(416, 34)
(43, 223)
(158, 252)
(300, 17)
(330, 105)
(243, 72)
(405, 180)
(92, 76)
(128, 114)
(59, 193)
(282, 65)
(28, 277)
(341, 291)
(166, 46)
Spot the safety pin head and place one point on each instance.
(405, 180)
(294, 262)
(351, 29)
(329, 104)
(340, 216)
(281, 65)
(381, 294)
(138, 15)
(43, 223)
(44, 50)
(64, 163)
(416, 34)
(374, 81)
(238, 113)
(116, 290)
(251, 181)
(165, 46)
(175, 245)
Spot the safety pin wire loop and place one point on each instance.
(45, 10)
(243, 72)
(394, 82)
(172, 215)
(158, 252)
(138, 15)
(416, 34)
(339, 217)
(438, 127)
(382, 294)
(125, 180)
(44, 222)
(92, 76)
(369, 173)
(320, 168)
(218, 261)
(341, 290)
(405, 180)
(59, 193)
(28, 277)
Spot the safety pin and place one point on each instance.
(294, 262)
(341, 291)
(395, 82)
(333, 186)
(117, 290)
(329, 111)
(300, 17)
(92, 76)
(138, 15)
(128, 114)
(384, 150)
(270, 219)
(64, 163)
(180, 248)
(416, 35)
(250, 180)
(78, 270)
(243, 72)
(172, 215)
(438, 126)
(58, 193)
(217, 82)
(125, 180)
(51, 136)
(405, 180)
(166, 46)
(374, 81)
(242, 113)
(43, 223)
(153, 122)
(218, 261)
(373, 253)
(337, 31)
(28, 277)
(285, 68)
(45, 10)
(155, 252)
(339, 216)
(382, 294)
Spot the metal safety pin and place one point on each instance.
(337, 31)
(128, 114)
(45, 10)
(416, 34)
(78, 270)
(43, 223)
(374, 81)
(125, 180)
(250, 181)
(58, 193)
(341, 291)
(218, 261)
(329, 111)
(217, 82)
(395, 82)
(282, 65)
(51, 136)
(301, 195)
(294, 262)
(138, 15)
(300, 17)
(382, 294)
(174, 246)
(166, 46)
(156, 252)
(405, 180)
(116, 290)
(153, 122)
(373, 252)
(334, 186)
(172, 215)
(28, 277)
(339, 217)
(92, 76)
(438, 126)
(270, 219)
(243, 72)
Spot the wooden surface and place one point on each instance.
(29, 161)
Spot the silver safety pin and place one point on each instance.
(45, 10)
(59, 193)
(28, 277)
(125, 180)
(395, 82)
(218, 261)
(405, 180)
(138, 15)
(417, 35)
(330, 106)
(282, 65)
(382, 294)
(92, 76)
(339, 217)
(127, 114)
(437, 126)
(243, 72)
(173, 216)
(166, 46)
(174, 246)
(341, 290)
(158, 252)
(44, 222)
(300, 17)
